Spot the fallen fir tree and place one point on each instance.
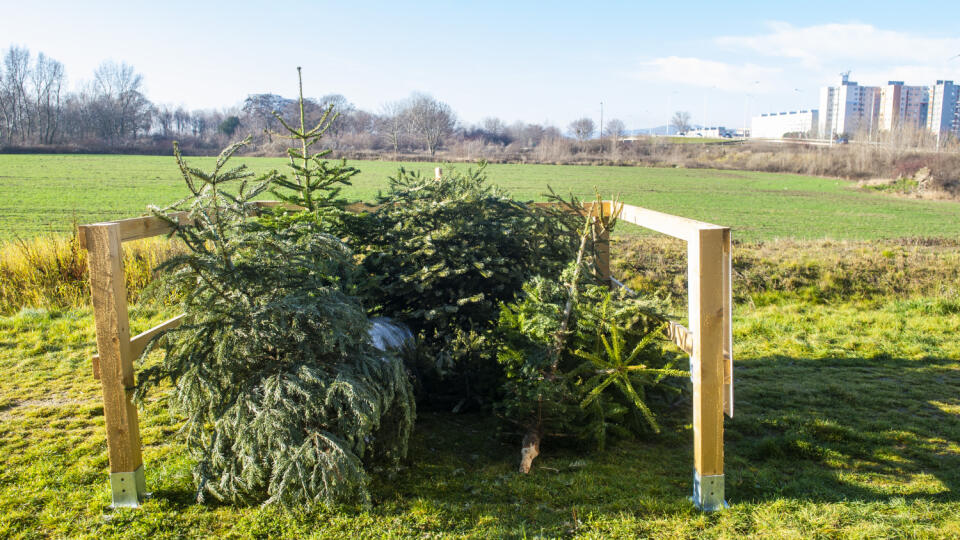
(581, 361)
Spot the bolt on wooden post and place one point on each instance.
(109, 293)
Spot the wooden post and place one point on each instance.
(437, 173)
(109, 293)
(705, 265)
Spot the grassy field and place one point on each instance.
(40, 193)
(847, 367)
(847, 425)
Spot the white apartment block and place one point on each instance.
(776, 125)
(902, 106)
(944, 113)
(848, 108)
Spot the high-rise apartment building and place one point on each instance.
(902, 106)
(848, 108)
(944, 113)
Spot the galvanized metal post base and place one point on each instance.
(708, 492)
(129, 488)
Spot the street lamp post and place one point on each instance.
(799, 118)
(746, 108)
(601, 127)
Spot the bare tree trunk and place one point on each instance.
(529, 450)
(530, 447)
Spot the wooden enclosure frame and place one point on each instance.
(708, 340)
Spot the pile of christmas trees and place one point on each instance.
(287, 400)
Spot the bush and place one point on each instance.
(444, 254)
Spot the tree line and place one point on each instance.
(111, 113)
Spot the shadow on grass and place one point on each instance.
(845, 429)
(822, 431)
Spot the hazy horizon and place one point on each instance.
(515, 61)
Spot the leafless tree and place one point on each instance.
(163, 117)
(341, 112)
(181, 119)
(47, 80)
(494, 126)
(199, 124)
(430, 120)
(124, 108)
(582, 128)
(615, 129)
(393, 123)
(680, 121)
(13, 92)
(258, 111)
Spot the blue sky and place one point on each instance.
(532, 61)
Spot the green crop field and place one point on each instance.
(43, 193)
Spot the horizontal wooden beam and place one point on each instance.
(362, 207)
(668, 224)
(136, 228)
(682, 337)
(139, 342)
(274, 204)
(147, 226)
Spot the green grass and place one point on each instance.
(847, 424)
(847, 367)
(42, 193)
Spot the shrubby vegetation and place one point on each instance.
(443, 255)
(51, 271)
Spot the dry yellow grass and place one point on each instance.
(51, 271)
